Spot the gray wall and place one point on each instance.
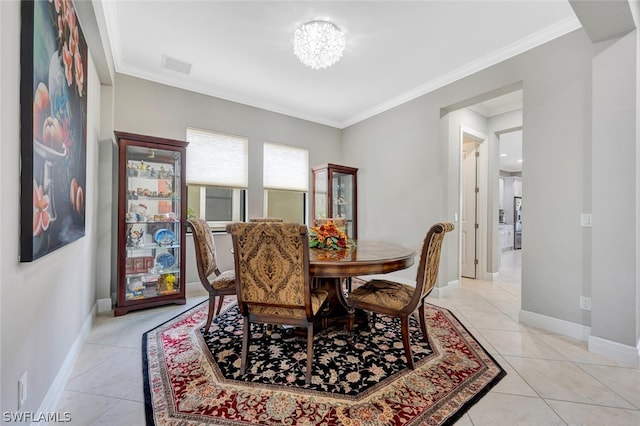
(150, 108)
(47, 305)
(409, 169)
(615, 190)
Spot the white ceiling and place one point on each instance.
(511, 151)
(396, 50)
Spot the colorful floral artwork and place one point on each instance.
(53, 127)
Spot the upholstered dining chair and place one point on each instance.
(401, 300)
(272, 280)
(217, 283)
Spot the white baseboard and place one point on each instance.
(493, 276)
(440, 292)
(51, 399)
(566, 328)
(104, 305)
(624, 354)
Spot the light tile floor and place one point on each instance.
(551, 379)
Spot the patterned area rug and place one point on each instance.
(192, 377)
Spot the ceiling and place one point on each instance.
(511, 151)
(241, 51)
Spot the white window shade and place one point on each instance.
(217, 159)
(285, 167)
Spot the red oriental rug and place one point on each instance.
(192, 377)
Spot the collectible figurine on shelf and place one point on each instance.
(140, 212)
(169, 281)
(135, 237)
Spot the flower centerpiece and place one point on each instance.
(328, 236)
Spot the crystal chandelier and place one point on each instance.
(318, 44)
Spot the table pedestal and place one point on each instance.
(338, 312)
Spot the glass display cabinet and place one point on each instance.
(334, 195)
(150, 232)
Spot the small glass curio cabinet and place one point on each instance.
(151, 212)
(334, 195)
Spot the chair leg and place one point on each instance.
(407, 341)
(212, 301)
(423, 322)
(219, 307)
(309, 352)
(246, 331)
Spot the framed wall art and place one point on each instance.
(53, 115)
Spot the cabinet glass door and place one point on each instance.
(342, 189)
(321, 194)
(152, 231)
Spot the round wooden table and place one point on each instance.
(330, 267)
(367, 258)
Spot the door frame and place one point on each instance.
(481, 199)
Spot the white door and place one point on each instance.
(468, 214)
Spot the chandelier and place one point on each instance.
(318, 44)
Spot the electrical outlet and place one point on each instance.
(585, 220)
(585, 303)
(22, 390)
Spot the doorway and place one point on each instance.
(469, 207)
(482, 118)
(510, 200)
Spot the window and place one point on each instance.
(286, 182)
(217, 176)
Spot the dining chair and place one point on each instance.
(272, 280)
(401, 300)
(266, 219)
(217, 283)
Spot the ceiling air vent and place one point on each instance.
(175, 65)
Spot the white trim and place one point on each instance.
(51, 399)
(440, 292)
(481, 198)
(493, 276)
(566, 328)
(624, 354)
(534, 40)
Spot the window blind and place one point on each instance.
(285, 167)
(217, 159)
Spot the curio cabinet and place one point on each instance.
(334, 195)
(151, 212)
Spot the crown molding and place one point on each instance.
(534, 40)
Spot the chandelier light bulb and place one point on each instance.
(318, 44)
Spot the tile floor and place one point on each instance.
(551, 379)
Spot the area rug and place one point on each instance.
(191, 377)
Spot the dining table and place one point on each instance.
(329, 270)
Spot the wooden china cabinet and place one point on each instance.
(151, 214)
(335, 194)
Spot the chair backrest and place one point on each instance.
(205, 249)
(272, 265)
(266, 219)
(429, 262)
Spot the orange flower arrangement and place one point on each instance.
(328, 236)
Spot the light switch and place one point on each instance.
(585, 220)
